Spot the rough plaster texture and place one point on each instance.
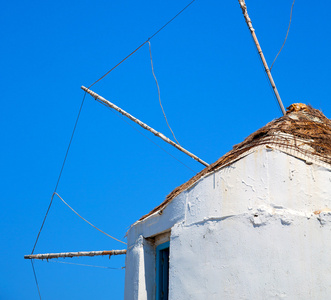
(140, 257)
(247, 231)
(236, 258)
(141, 262)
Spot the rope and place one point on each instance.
(158, 91)
(154, 34)
(84, 265)
(65, 158)
(35, 278)
(103, 76)
(288, 29)
(88, 221)
(58, 180)
(57, 184)
(171, 20)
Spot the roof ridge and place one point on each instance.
(305, 130)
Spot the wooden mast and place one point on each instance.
(251, 29)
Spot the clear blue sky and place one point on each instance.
(213, 89)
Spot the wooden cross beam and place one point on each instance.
(142, 124)
(74, 254)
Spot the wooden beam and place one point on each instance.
(142, 124)
(74, 254)
(257, 44)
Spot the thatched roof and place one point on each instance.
(303, 130)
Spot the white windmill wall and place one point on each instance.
(140, 259)
(247, 231)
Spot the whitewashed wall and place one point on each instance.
(140, 257)
(248, 231)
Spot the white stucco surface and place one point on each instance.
(282, 257)
(141, 262)
(259, 228)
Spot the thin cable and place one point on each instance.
(84, 265)
(158, 91)
(103, 76)
(58, 180)
(88, 221)
(170, 20)
(118, 115)
(50, 204)
(288, 29)
(35, 278)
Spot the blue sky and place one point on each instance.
(213, 89)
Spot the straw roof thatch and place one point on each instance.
(304, 131)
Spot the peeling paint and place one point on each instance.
(324, 218)
(249, 185)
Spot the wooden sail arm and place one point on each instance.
(142, 124)
(257, 44)
(74, 254)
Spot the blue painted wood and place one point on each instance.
(162, 271)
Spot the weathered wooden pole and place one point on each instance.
(74, 254)
(142, 124)
(251, 29)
